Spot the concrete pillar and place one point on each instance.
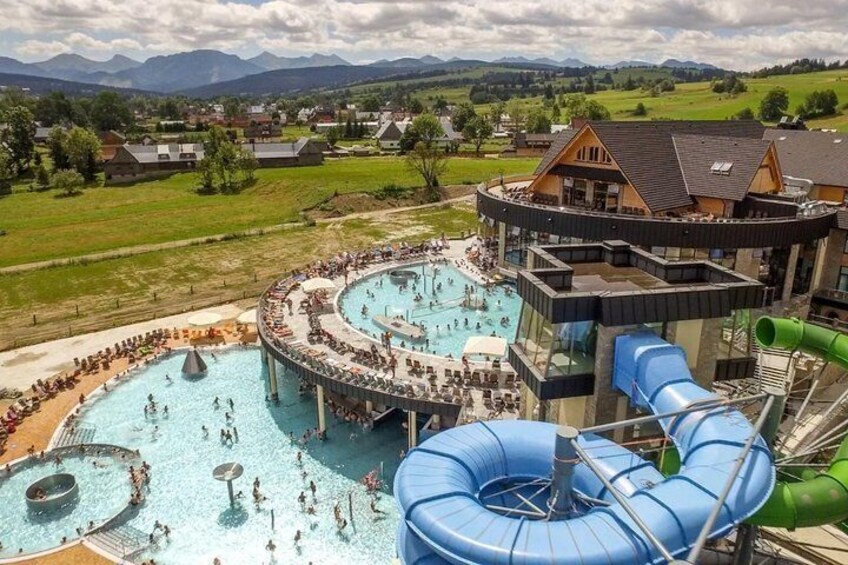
(826, 272)
(571, 411)
(263, 355)
(272, 377)
(747, 264)
(322, 416)
(602, 406)
(791, 264)
(528, 402)
(620, 415)
(700, 340)
(412, 428)
(369, 407)
(501, 243)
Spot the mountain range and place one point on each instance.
(189, 71)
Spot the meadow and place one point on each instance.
(42, 226)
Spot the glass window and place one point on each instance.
(573, 351)
(736, 332)
(843, 279)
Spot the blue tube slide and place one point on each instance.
(441, 486)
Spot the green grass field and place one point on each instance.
(41, 226)
(696, 101)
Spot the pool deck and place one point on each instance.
(334, 323)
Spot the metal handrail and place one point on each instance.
(483, 188)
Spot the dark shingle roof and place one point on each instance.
(562, 139)
(646, 155)
(696, 155)
(813, 155)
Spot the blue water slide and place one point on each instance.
(446, 488)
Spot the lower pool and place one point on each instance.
(441, 306)
(184, 496)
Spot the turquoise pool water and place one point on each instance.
(103, 492)
(445, 320)
(184, 495)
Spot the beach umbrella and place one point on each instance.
(247, 317)
(311, 285)
(485, 345)
(204, 319)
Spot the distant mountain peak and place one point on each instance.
(271, 62)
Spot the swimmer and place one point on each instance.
(168, 379)
(271, 546)
(205, 431)
(215, 403)
(297, 537)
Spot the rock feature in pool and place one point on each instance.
(400, 327)
(402, 276)
(52, 492)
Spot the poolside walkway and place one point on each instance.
(334, 324)
(20, 368)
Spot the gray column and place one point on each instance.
(272, 377)
(747, 264)
(501, 243)
(828, 260)
(602, 406)
(565, 458)
(322, 416)
(412, 428)
(791, 264)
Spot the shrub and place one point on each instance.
(391, 191)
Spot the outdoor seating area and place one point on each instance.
(320, 339)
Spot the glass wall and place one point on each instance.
(518, 240)
(556, 350)
(736, 335)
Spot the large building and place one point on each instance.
(138, 162)
(681, 190)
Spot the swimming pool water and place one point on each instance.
(196, 507)
(445, 320)
(103, 492)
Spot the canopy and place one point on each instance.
(204, 319)
(247, 317)
(311, 285)
(485, 345)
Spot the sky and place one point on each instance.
(736, 34)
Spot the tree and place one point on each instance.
(110, 111)
(461, 114)
(818, 103)
(629, 84)
(578, 106)
(82, 147)
(640, 110)
(744, 114)
(556, 114)
(538, 122)
(53, 109)
(7, 172)
(416, 106)
(589, 87)
(225, 167)
(19, 136)
(774, 104)
(440, 105)
(42, 177)
(477, 130)
(333, 134)
(426, 128)
(69, 182)
(371, 104)
(518, 114)
(426, 157)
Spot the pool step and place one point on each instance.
(123, 541)
(76, 435)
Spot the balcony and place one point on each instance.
(690, 233)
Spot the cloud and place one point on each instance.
(739, 34)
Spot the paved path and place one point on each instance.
(139, 249)
(21, 367)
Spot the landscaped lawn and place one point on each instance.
(41, 226)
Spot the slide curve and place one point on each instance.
(441, 485)
(824, 498)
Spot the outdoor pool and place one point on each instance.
(196, 507)
(444, 319)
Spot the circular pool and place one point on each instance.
(448, 304)
(52, 492)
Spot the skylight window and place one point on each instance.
(721, 167)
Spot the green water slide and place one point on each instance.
(815, 499)
(822, 499)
